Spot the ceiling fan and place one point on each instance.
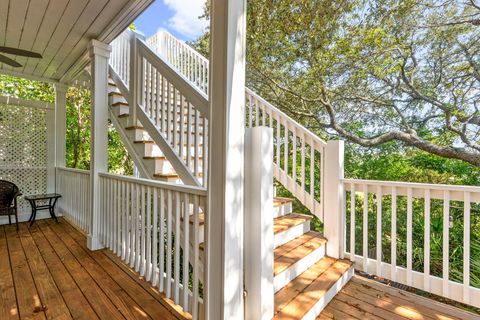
(17, 52)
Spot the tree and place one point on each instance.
(373, 72)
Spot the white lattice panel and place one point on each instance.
(23, 149)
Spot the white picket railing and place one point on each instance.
(296, 148)
(182, 57)
(405, 220)
(74, 186)
(172, 110)
(149, 224)
(293, 142)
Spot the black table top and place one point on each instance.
(43, 196)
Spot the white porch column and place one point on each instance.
(259, 242)
(60, 124)
(224, 270)
(99, 54)
(334, 218)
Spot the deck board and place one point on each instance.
(365, 299)
(48, 273)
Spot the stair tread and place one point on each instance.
(119, 103)
(300, 295)
(115, 93)
(293, 251)
(134, 128)
(278, 201)
(288, 221)
(143, 141)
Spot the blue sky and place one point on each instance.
(179, 17)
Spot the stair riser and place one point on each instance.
(283, 209)
(141, 135)
(282, 279)
(290, 234)
(120, 110)
(115, 98)
(159, 166)
(313, 313)
(150, 150)
(170, 180)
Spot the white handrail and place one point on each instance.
(411, 209)
(287, 131)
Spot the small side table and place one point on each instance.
(52, 200)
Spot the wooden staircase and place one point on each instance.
(146, 154)
(305, 278)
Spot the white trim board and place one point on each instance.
(26, 103)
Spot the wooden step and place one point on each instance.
(201, 219)
(288, 221)
(134, 128)
(143, 141)
(113, 93)
(310, 292)
(295, 250)
(278, 201)
(119, 103)
(123, 115)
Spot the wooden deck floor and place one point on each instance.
(46, 272)
(365, 299)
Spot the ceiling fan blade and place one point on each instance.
(20, 52)
(9, 61)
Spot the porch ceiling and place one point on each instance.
(60, 30)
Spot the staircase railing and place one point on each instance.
(391, 228)
(295, 146)
(172, 110)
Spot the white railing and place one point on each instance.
(74, 186)
(298, 155)
(120, 56)
(293, 142)
(171, 109)
(182, 57)
(149, 224)
(395, 225)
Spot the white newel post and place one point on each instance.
(224, 223)
(259, 301)
(333, 198)
(99, 54)
(134, 79)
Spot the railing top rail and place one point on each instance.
(191, 92)
(75, 170)
(307, 132)
(414, 185)
(158, 184)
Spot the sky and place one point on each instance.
(179, 17)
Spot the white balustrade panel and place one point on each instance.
(74, 186)
(155, 227)
(415, 234)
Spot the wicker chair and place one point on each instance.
(8, 200)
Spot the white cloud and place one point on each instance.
(185, 17)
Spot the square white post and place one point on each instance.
(99, 54)
(333, 199)
(259, 244)
(51, 128)
(224, 222)
(60, 124)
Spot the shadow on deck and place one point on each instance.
(46, 271)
